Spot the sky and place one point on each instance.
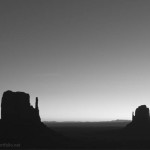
(86, 60)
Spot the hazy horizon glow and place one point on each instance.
(86, 60)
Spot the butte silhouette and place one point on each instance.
(21, 123)
(140, 121)
(137, 133)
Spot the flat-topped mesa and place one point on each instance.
(141, 115)
(15, 106)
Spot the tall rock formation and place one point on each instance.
(21, 123)
(137, 133)
(15, 107)
(141, 115)
(140, 122)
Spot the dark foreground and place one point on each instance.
(100, 135)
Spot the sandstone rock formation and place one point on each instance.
(20, 123)
(141, 115)
(140, 124)
(137, 133)
(16, 108)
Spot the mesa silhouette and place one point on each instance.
(140, 121)
(16, 108)
(21, 123)
(136, 134)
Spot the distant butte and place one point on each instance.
(140, 121)
(141, 115)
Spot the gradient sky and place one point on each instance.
(86, 60)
